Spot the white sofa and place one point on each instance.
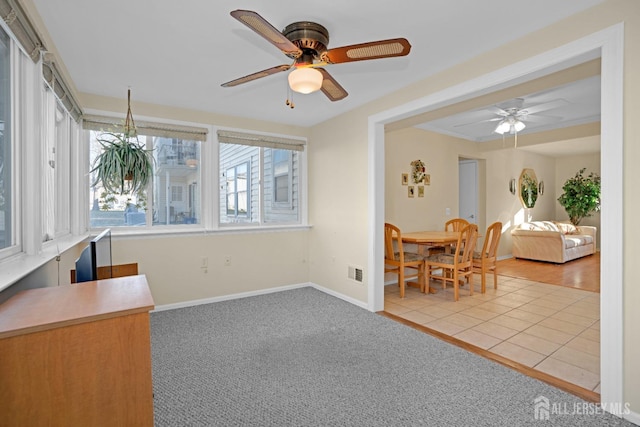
(552, 241)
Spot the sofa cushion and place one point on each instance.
(539, 226)
(566, 228)
(575, 240)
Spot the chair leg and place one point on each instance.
(470, 279)
(421, 278)
(456, 292)
(401, 282)
(483, 271)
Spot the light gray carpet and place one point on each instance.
(304, 358)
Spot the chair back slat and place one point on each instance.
(455, 224)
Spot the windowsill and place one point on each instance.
(125, 232)
(18, 266)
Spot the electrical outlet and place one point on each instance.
(227, 260)
(447, 211)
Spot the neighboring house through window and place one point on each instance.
(259, 178)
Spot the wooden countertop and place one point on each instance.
(36, 310)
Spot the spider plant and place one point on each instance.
(124, 166)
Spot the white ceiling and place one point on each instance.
(178, 53)
(573, 104)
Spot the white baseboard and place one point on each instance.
(340, 296)
(633, 417)
(194, 303)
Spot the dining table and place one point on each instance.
(430, 238)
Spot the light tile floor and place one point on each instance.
(552, 329)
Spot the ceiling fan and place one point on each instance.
(512, 115)
(306, 43)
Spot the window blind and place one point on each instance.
(57, 85)
(163, 130)
(27, 37)
(21, 28)
(257, 140)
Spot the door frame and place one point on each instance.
(609, 42)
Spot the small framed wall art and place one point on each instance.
(411, 191)
(405, 179)
(420, 190)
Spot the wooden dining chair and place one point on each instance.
(396, 260)
(455, 224)
(486, 260)
(455, 267)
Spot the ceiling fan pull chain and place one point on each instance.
(290, 101)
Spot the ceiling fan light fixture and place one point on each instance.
(305, 80)
(511, 125)
(518, 126)
(502, 127)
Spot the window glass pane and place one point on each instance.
(243, 184)
(281, 186)
(6, 239)
(177, 174)
(239, 183)
(175, 188)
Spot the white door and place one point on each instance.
(468, 190)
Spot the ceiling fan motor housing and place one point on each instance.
(310, 37)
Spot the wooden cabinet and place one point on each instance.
(77, 355)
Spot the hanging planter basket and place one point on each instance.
(124, 166)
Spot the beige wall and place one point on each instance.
(259, 261)
(440, 153)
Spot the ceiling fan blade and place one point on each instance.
(495, 119)
(540, 119)
(494, 109)
(372, 50)
(258, 75)
(260, 25)
(544, 106)
(331, 87)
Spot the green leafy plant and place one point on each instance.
(581, 197)
(124, 166)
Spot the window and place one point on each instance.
(281, 177)
(259, 179)
(238, 196)
(6, 237)
(56, 158)
(176, 173)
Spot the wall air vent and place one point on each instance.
(356, 274)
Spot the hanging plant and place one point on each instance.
(418, 171)
(581, 197)
(124, 166)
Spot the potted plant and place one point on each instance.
(124, 166)
(581, 197)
